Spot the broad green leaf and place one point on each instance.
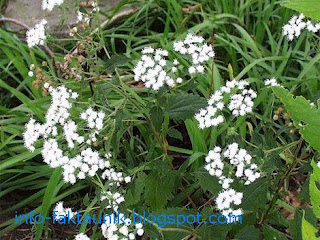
(272, 234)
(208, 182)
(158, 190)
(182, 106)
(310, 8)
(248, 232)
(314, 188)
(116, 61)
(305, 116)
(255, 195)
(308, 231)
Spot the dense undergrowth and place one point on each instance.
(152, 135)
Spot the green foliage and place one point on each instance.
(308, 231)
(314, 188)
(182, 106)
(158, 189)
(306, 117)
(310, 8)
(153, 136)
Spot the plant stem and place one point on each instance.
(280, 185)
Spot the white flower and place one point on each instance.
(50, 4)
(114, 199)
(30, 73)
(195, 47)
(114, 231)
(153, 69)
(87, 162)
(94, 119)
(226, 166)
(271, 82)
(240, 104)
(295, 26)
(82, 17)
(36, 36)
(81, 236)
(60, 212)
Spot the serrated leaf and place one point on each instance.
(248, 232)
(272, 234)
(156, 116)
(158, 190)
(214, 231)
(135, 189)
(305, 116)
(255, 195)
(208, 182)
(314, 189)
(308, 231)
(182, 106)
(310, 8)
(116, 61)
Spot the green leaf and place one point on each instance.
(272, 234)
(156, 116)
(314, 188)
(115, 61)
(174, 133)
(255, 195)
(248, 232)
(135, 189)
(182, 106)
(310, 8)
(48, 197)
(214, 232)
(208, 182)
(308, 231)
(305, 116)
(158, 190)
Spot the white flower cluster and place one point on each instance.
(87, 162)
(81, 236)
(226, 198)
(70, 133)
(50, 4)
(37, 35)
(152, 69)
(84, 17)
(199, 51)
(298, 23)
(113, 231)
(114, 177)
(155, 70)
(58, 113)
(271, 82)
(240, 103)
(240, 166)
(114, 199)
(94, 119)
(242, 160)
(60, 212)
